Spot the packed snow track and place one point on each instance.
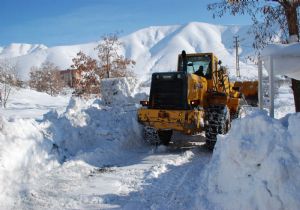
(167, 178)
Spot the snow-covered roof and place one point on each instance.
(286, 58)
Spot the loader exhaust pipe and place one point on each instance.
(184, 61)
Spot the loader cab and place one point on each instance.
(200, 64)
(194, 62)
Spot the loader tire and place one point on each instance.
(165, 136)
(151, 136)
(154, 137)
(236, 114)
(217, 121)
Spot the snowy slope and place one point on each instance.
(153, 48)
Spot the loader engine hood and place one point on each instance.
(169, 91)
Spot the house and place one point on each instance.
(70, 76)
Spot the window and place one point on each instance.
(194, 63)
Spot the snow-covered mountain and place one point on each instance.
(16, 50)
(153, 48)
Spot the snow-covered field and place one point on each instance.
(26, 103)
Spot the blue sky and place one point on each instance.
(64, 22)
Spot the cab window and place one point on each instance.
(200, 65)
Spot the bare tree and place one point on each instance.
(8, 79)
(90, 74)
(271, 19)
(46, 79)
(122, 67)
(111, 61)
(36, 80)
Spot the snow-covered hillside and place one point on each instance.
(153, 48)
(16, 50)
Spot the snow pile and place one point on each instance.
(24, 155)
(255, 166)
(97, 132)
(118, 91)
(90, 132)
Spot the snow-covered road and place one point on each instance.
(167, 178)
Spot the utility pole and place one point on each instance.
(237, 57)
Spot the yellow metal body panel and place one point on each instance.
(217, 100)
(250, 88)
(197, 89)
(186, 121)
(233, 104)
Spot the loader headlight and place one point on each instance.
(144, 103)
(195, 102)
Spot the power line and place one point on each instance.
(237, 57)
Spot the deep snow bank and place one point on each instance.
(255, 166)
(91, 131)
(98, 132)
(118, 91)
(24, 155)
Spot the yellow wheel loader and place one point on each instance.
(198, 97)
